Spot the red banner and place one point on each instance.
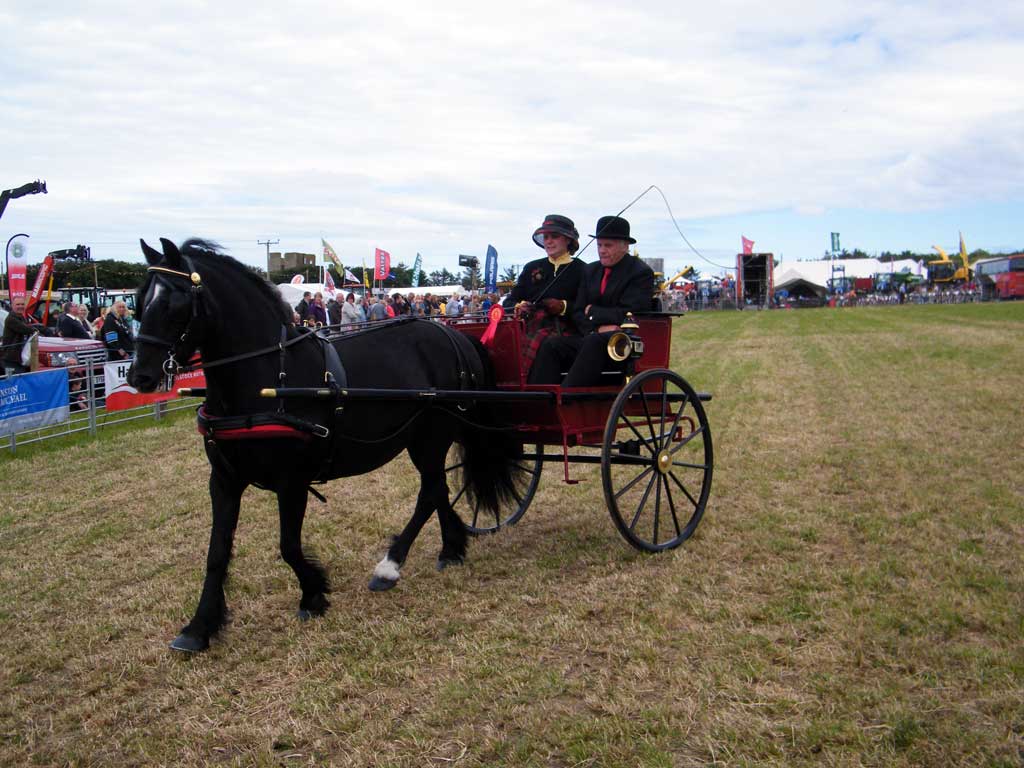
(383, 262)
(16, 270)
(121, 396)
(748, 245)
(45, 270)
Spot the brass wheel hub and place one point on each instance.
(664, 461)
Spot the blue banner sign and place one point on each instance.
(33, 400)
(491, 270)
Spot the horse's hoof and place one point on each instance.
(304, 615)
(188, 644)
(444, 562)
(379, 584)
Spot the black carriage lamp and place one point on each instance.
(32, 188)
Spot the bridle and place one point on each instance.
(189, 339)
(171, 366)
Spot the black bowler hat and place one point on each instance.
(557, 225)
(613, 228)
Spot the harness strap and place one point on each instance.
(256, 425)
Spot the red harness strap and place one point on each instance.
(254, 432)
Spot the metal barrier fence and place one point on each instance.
(88, 412)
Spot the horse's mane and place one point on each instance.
(207, 251)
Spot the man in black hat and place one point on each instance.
(612, 286)
(547, 287)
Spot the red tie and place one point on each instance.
(604, 280)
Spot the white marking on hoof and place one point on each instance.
(387, 569)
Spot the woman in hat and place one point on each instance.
(546, 288)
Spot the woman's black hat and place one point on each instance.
(558, 225)
(613, 228)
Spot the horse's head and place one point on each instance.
(170, 312)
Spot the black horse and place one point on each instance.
(197, 299)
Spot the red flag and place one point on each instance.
(748, 245)
(45, 270)
(328, 283)
(382, 260)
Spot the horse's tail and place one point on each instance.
(490, 450)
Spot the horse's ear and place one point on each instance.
(171, 252)
(153, 256)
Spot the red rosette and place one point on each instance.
(495, 314)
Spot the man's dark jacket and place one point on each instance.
(629, 288)
(70, 328)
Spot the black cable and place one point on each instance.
(674, 222)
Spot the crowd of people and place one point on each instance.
(112, 326)
(313, 311)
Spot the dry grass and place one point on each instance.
(853, 596)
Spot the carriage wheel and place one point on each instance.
(478, 521)
(656, 461)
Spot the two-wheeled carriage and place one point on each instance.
(655, 449)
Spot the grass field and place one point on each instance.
(854, 595)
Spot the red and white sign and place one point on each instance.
(45, 270)
(298, 280)
(328, 283)
(16, 264)
(383, 261)
(121, 395)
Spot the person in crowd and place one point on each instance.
(83, 318)
(316, 314)
(378, 311)
(547, 287)
(70, 325)
(350, 313)
(454, 306)
(302, 308)
(97, 324)
(333, 312)
(612, 286)
(18, 327)
(117, 333)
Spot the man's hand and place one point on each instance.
(522, 310)
(553, 306)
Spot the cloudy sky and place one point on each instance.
(440, 128)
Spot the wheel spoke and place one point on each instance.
(675, 423)
(640, 437)
(664, 410)
(689, 466)
(657, 509)
(672, 507)
(647, 413)
(643, 503)
(686, 440)
(683, 489)
(527, 470)
(633, 482)
(459, 496)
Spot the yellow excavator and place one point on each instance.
(682, 274)
(945, 270)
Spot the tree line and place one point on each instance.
(110, 273)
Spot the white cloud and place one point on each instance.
(439, 128)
